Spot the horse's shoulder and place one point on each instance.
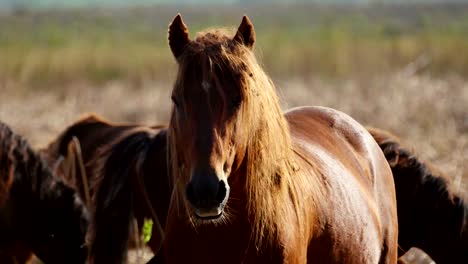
(334, 140)
(348, 167)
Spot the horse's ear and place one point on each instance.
(178, 36)
(246, 33)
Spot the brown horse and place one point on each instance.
(121, 161)
(95, 132)
(430, 215)
(38, 212)
(255, 185)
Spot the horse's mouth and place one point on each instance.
(208, 214)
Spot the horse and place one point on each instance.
(431, 216)
(94, 132)
(255, 185)
(122, 164)
(39, 213)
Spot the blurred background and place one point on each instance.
(397, 65)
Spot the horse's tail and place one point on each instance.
(431, 216)
(113, 210)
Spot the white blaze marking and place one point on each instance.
(205, 85)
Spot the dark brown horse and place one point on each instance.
(125, 165)
(38, 212)
(430, 215)
(93, 134)
(255, 185)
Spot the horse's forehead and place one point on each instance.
(206, 85)
(198, 85)
(201, 80)
(208, 74)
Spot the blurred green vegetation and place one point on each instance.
(50, 47)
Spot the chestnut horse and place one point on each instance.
(254, 185)
(431, 216)
(409, 173)
(38, 212)
(121, 162)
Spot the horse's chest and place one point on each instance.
(218, 245)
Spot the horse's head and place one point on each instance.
(59, 225)
(209, 124)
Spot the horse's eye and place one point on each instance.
(236, 102)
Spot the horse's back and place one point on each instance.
(91, 130)
(356, 214)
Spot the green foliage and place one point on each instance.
(53, 47)
(147, 230)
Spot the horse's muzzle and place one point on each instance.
(207, 195)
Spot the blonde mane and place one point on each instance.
(269, 151)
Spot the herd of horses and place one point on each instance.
(231, 179)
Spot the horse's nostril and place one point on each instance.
(190, 193)
(222, 191)
(206, 191)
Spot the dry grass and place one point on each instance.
(47, 48)
(429, 114)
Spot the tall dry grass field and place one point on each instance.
(429, 114)
(401, 68)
